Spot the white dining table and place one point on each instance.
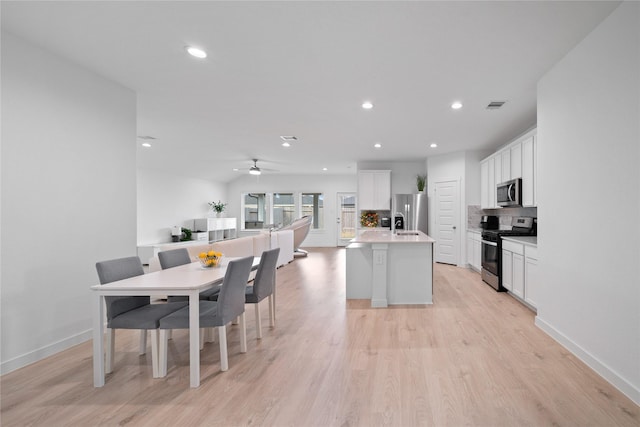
(189, 280)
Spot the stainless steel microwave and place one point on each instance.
(509, 193)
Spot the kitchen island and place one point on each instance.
(390, 268)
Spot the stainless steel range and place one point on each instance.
(492, 249)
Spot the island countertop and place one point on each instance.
(386, 236)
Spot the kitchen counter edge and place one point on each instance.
(388, 237)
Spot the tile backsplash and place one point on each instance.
(474, 214)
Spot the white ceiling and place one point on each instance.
(304, 69)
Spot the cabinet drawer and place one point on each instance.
(531, 252)
(474, 235)
(516, 248)
(204, 236)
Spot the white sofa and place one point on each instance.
(240, 247)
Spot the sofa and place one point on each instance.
(240, 247)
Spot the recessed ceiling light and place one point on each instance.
(367, 105)
(377, 145)
(286, 144)
(433, 145)
(456, 105)
(236, 169)
(146, 144)
(325, 169)
(198, 53)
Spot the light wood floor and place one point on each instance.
(472, 358)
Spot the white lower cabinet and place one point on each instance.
(531, 276)
(518, 275)
(474, 250)
(507, 270)
(519, 271)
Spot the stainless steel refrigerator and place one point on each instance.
(410, 211)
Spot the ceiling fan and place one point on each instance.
(256, 170)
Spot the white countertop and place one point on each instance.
(375, 236)
(526, 240)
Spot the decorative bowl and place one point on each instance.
(209, 259)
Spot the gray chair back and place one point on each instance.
(265, 276)
(118, 269)
(231, 297)
(173, 258)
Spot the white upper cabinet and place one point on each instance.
(484, 184)
(528, 171)
(374, 190)
(517, 160)
(498, 174)
(492, 183)
(506, 165)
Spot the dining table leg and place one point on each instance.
(98, 341)
(194, 338)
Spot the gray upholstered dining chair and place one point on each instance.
(174, 258)
(131, 312)
(214, 314)
(264, 286)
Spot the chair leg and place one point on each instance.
(210, 335)
(169, 334)
(154, 353)
(236, 321)
(273, 294)
(243, 333)
(224, 361)
(143, 342)
(272, 312)
(201, 338)
(258, 321)
(162, 352)
(111, 344)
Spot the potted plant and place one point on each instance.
(218, 207)
(421, 182)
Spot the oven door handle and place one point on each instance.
(485, 242)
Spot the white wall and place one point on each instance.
(449, 166)
(589, 200)
(403, 174)
(68, 196)
(329, 185)
(166, 200)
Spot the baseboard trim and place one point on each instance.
(44, 352)
(600, 368)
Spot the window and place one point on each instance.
(284, 209)
(267, 210)
(255, 210)
(313, 204)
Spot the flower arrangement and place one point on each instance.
(210, 259)
(369, 219)
(218, 206)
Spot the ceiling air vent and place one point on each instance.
(288, 138)
(494, 105)
(145, 137)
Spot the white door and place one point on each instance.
(346, 218)
(447, 228)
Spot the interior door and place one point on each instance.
(447, 207)
(346, 218)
